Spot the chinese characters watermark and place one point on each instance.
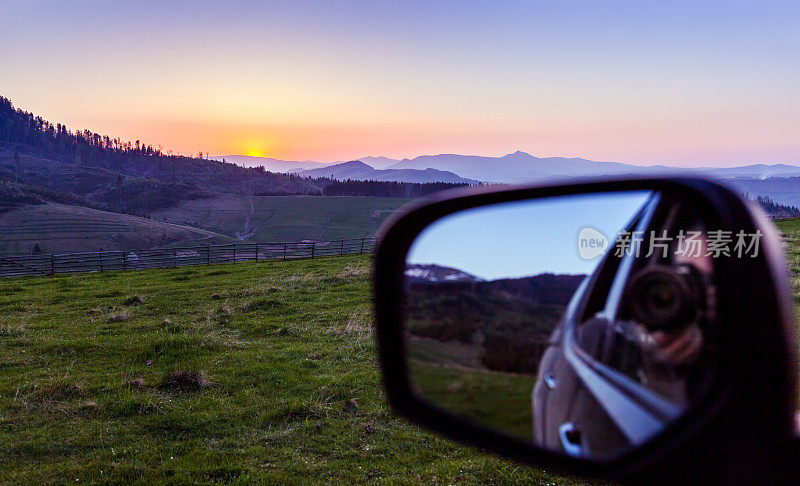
(689, 244)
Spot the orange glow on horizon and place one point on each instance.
(702, 141)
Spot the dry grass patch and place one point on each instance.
(136, 384)
(118, 317)
(179, 381)
(9, 329)
(355, 270)
(53, 393)
(133, 300)
(359, 325)
(301, 277)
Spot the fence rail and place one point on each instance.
(102, 261)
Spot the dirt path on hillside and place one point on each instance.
(246, 231)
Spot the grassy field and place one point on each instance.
(479, 395)
(790, 229)
(276, 381)
(453, 375)
(58, 228)
(285, 218)
(289, 390)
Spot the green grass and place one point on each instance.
(499, 400)
(286, 218)
(790, 230)
(451, 374)
(285, 347)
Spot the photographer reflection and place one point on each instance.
(663, 334)
(682, 347)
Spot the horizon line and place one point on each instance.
(637, 164)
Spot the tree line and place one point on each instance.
(386, 188)
(775, 210)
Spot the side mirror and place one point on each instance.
(619, 329)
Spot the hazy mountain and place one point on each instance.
(270, 164)
(521, 166)
(780, 182)
(379, 162)
(516, 167)
(782, 190)
(756, 171)
(294, 166)
(513, 168)
(357, 170)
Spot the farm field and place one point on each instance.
(285, 218)
(60, 228)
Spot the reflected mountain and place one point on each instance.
(500, 324)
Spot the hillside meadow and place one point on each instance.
(246, 373)
(285, 218)
(62, 228)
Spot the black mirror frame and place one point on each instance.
(745, 429)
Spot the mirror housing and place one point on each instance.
(738, 433)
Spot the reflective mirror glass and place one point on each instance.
(584, 324)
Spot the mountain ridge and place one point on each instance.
(520, 166)
(358, 170)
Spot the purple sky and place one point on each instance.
(641, 82)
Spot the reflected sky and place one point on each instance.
(524, 238)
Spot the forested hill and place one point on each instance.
(775, 210)
(24, 133)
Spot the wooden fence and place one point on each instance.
(102, 261)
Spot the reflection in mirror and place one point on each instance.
(559, 321)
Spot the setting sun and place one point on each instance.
(255, 153)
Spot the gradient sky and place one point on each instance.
(640, 82)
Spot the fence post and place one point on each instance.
(208, 255)
(234, 253)
(362, 247)
(124, 261)
(100, 257)
(341, 248)
(175, 257)
(52, 264)
(313, 247)
(256, 251)
(284, 251)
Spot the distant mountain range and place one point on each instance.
(357, 170)
(270, 164)
(512, 168)
(294, 166)
(516, 167)
(521, 167)
(780, 182)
